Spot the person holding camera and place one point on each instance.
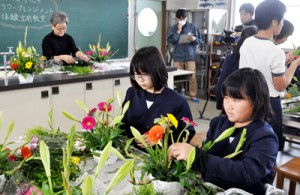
(185, 52)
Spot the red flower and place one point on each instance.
(12, 158)
(189, 122)
(14, 66)
(102, 106)
(92, 112)
(89, 53)
(156, 133)
(88, 122)
(25, 152)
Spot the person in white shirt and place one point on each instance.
(260, 52)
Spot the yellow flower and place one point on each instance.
(28, 65)
(75, 160)
(173, 120)
(23, 53)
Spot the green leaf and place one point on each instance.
(239, 146)
(127, 145)
(120, 175)
(45, 156)
(69, 116)
(119, 98)
(87, 186)
(225, 134)
(10, 128)
(207, 146)
(50, 122)
(116, 120)
(110, 100)
(103, 158)
(190, 158)
(82, 105)
(221, 137)
(138, 136)
(125, 108)
(117, 153)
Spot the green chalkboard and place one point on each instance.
(87, 19)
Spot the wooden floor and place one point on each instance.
(290, 150)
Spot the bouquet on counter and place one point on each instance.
(98, 53)
(27, 60)
(99, 126)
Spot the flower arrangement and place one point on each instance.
(26, 60)
(98, 126)
(157, 162)
(98, 53)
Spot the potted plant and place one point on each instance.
(162, 169)
(99, 54)
(99, 127)
(27, 62)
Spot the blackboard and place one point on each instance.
(87, 19)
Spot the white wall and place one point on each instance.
(194, 4)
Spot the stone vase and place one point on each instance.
(111, 159)
(168, 188)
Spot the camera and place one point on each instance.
(228, 39)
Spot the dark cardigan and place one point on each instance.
(142, 118)
(249, 170)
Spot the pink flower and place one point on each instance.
(33, 190)
(92, 112)
(189, 122)
(88, 123)
(103, 53)
(89, 53)
(34, 143)
(102, 106)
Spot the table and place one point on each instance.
(182, 76)
(291, 122)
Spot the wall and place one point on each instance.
(196, 4)
(87, 20)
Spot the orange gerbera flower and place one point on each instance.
(156, 134)
(25, 152)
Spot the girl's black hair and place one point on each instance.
(149, 60)
(251, 83)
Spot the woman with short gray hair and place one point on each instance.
(58, 45)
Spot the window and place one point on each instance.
(293, 9)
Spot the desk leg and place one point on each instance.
(292, 188)
(279, 183)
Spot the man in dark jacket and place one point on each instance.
(246, 14)
(185, 49)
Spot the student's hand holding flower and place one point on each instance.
(180, 151)
(289, 57)
(148, 142)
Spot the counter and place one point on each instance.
(28, 105)
(291, 122)
(47, 79)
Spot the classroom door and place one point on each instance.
(148, 23)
